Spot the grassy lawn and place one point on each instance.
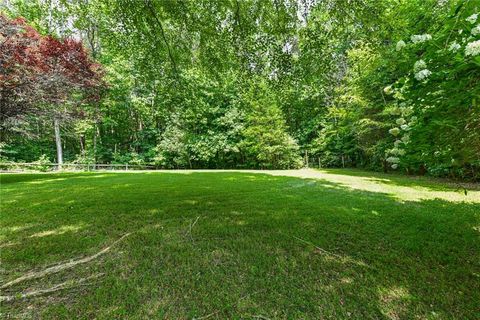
(346, 245)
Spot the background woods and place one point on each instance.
(384, 85)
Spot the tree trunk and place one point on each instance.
(95, 133)
(82, 144)
(58, 142)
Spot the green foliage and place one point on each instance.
(408, 99)
(250, 84)
(85, 158)
(267, 144)
(42, 164)
(438, 93)
(172, 149)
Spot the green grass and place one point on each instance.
(236, 245)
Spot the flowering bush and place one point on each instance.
(400, 45)
(420, 38)
(472, 19)
(473, 48)
(422, 74)
(441, 126)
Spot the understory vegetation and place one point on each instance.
(382, 85)
(336, 244)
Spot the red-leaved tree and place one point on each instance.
(43, 75)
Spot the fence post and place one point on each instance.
(126, 166)
(319, 163)
(306, 158)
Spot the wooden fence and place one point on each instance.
(35, 166)
(308, 162)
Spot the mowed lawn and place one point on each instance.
(343, 244)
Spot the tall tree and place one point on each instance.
(44, 74)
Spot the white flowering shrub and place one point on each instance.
(454, 46)
(422, 74)
(388, 90)
(475, 31)
(473, 48)
(394, 131)
(440, 86)
(396, 151)
(393, 159)
(419, 65)
(419, 38)
(472, 19)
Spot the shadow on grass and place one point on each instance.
(397, 179)
(274, 246)
(7, 178)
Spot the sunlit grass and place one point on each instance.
(284, 244)
(404, 188)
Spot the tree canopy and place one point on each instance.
(385, 85)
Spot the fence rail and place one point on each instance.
(308, 162)
(36, 166)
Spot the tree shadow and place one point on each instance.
(361, 254)
(392, 178)
(7, 178)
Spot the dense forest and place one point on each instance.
(378, 84)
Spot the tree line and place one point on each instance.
(382, 85)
